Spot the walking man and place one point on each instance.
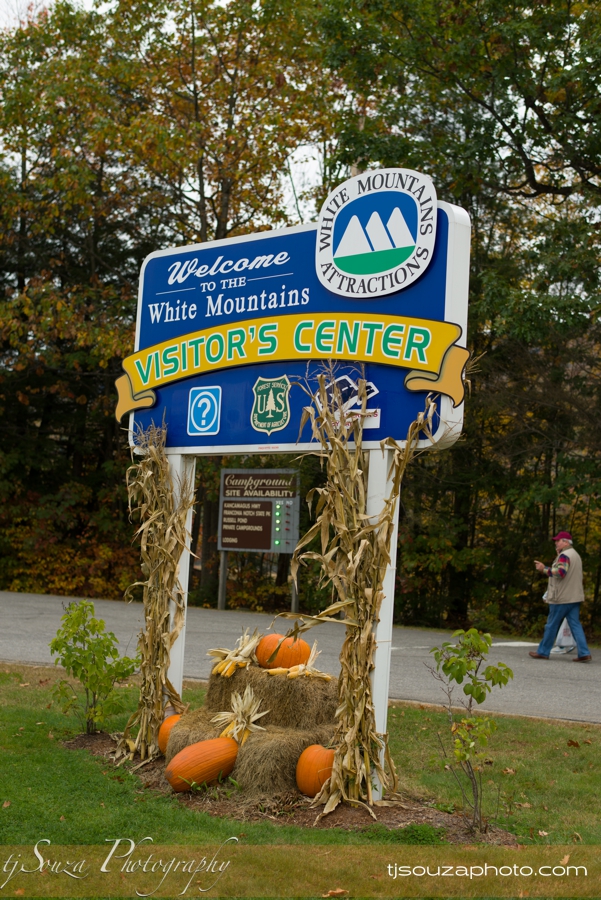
(564, 596)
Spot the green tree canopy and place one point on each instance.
(498, 103)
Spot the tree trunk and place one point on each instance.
(196, 520)
(209, 575)
(281, 577)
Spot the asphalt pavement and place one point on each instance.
(555, 689)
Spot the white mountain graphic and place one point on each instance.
(398, 230)
(377, 233)
(353, 240)
(375, 236)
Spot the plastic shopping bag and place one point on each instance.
(564, 642)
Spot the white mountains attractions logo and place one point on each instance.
(376, 233)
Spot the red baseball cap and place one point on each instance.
(562, 536)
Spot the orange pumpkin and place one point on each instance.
(202, 763)
(291, 653)
(165, 731)
(313, 769)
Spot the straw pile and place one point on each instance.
(301, 703)
(266, 763)
(301, 712)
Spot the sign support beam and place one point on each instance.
(379, 486)
(222, 591)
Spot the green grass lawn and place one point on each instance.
(538, 781)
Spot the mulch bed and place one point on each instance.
(293, 809)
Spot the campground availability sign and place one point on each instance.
(232, 334)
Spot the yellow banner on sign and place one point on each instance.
(426, 348)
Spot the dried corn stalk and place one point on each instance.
(162, 532)
(242, 654)
(355, 551)
(240, 722)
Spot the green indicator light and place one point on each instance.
(277, 529)
(276, 543)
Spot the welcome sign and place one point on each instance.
(232, 334)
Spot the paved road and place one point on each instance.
(554, 689)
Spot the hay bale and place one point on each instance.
(266, 763)
(192, 727)
(301, 703)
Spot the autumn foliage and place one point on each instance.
(141, 125)
(120, 133)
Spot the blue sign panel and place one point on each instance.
(232, 334)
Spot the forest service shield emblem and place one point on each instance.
(271, 409)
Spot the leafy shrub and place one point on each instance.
(89, 653)
(455, 663)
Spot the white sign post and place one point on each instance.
(182, 470)
(379, 486)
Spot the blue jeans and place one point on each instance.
(557, 613)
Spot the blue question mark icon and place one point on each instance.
(204, 409)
